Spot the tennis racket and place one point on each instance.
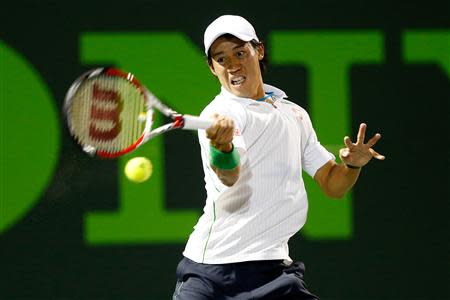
(110, 113)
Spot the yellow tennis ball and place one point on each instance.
(138, 169)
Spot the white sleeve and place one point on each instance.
(314, 154)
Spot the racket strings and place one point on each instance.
(105, 113)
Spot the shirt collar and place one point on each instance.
(277, 93)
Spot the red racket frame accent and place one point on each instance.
(105, 154)
(178, 121)
(128, 76)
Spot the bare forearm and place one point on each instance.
(228, 177)
(340, 180)
(337, 179)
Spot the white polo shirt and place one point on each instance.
(254, 218)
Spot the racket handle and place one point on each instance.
(194, 123)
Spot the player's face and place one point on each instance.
(236, 65)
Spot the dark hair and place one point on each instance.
(255, 44)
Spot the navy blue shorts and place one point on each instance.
(256, 280)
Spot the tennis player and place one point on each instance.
(253, 157)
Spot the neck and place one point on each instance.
(259, 92)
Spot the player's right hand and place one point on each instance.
(221, 133)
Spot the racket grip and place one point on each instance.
(194, 123)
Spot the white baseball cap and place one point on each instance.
(234, 25)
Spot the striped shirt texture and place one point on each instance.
(254, 218)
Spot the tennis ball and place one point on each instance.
(138, 169)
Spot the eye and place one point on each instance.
(240, 53)
(220, 60)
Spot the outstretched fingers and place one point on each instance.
(376, 155)
(348, 142)
(373, 140)
(361, 134)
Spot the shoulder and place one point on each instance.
(296, 108)
(227, 107)
(292, 104)
(301, 115)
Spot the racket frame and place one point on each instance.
(151, 102)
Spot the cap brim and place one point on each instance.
(242, 37)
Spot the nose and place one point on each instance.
(234, 64)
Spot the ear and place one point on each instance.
(211, 68)
(260, 51)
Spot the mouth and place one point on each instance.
(237, 80)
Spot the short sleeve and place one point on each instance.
(314, 154)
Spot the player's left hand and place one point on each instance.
(359, 154)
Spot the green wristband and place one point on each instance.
(222, 160)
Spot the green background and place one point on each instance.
(73, 228)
